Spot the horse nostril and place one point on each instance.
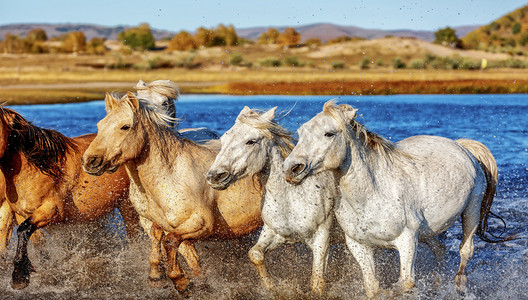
(297, 168)
(221, 176)
(94, 161)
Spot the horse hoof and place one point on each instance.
(155, 282)
(20, 283)
(181, 284)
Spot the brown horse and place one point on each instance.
(42, 182)
(168, 186)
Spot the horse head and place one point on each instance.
(244, 149)
(323, 143)
(120, 137)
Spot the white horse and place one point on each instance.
(256, 144)
(164, 93)
(393, 195)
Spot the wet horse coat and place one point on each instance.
(256, 144)
(43, 182)
(393, 195)
(168, 185)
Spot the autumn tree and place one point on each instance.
(96, 46)
(74, 42)
(290, 37)
(138, 38)
(447, 37)
(204, 37)
(269, 37)
(37, 35)
(182, 41)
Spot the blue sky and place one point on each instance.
(191, 14)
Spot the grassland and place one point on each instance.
(53, 78)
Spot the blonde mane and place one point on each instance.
(165, 88)
(271, 129)
(371, 140)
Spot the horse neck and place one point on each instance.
(274, 166)
(156, 155)
(363, 166)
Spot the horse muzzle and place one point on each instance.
(95, 165)
(294, 173)
(219, 180)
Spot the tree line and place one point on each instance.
(140, 38)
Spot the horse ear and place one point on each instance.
(110, 102)
(244, 111)
(269, 115)
(133, 100)
(350, 115)
(140, 84)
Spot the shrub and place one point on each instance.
(417, 64)
(397, 63)
(292, 61)
(516, 28)
(236, 59)
(380, 63)
(270, 62)
(338, 65)
(364, 63)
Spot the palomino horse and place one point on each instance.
(164, 93)
(168, 184)
(43, 182)
(256, 144)
(393, 195)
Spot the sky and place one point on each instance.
(190, 14)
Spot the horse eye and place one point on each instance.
(329, 134)
(125, 127)
(251, 142)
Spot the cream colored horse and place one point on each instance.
(256, 144)
(168, 185)
(393, 195)
(164, 93)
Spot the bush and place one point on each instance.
(138, 38)
(236, 59)
(270, 62)
(364, 63)
(338, 65)
(397, 63)
(380, 63)
(417, 64)
(292, 61)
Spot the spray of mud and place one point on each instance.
(95, 261)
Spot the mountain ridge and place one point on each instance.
(322, 31)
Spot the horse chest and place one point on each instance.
(291, 217)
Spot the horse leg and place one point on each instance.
(42, 216)
(155, 273)
(439, 251)
(6, 226)
(37, 238)
(470, 221)
(364, 255)
(406, 244)
(171, 243)
(267, 240)
(319, 244)
(130, 218)
(188, 251)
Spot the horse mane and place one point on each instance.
(371, 140)
(165, 88)
(271, 129)
(45, 149)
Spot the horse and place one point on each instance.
(396, 194)
(42, 182)
(168, 185)
(257, 144)
(164, 93)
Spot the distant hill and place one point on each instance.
(90, 30)
(508, 31)
(323, 31)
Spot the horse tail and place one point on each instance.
(489, 166)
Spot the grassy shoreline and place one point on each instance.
(41, 87)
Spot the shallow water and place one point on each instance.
(95, 260)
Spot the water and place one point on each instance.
(88, 261)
